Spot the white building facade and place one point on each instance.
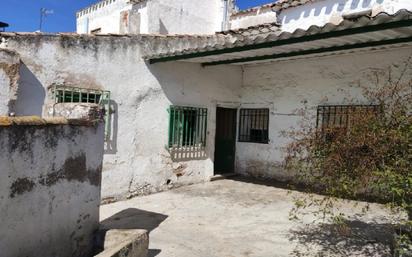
(184, 108)
(154, 17)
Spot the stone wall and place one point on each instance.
(50, 176)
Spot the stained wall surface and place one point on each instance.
(137, 160)
(293, 89)
(50, 178)
(9, 77)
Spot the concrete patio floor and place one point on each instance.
(232, 218)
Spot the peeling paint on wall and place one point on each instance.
(9, 77)
(50, 179)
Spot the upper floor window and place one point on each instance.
(254, 126)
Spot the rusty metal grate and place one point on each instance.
(339, 117)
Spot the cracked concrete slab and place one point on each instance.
(239, 218)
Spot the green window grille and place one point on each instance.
(65, 94)
(187, 126)
(62, 94)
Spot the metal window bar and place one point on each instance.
(330, 117)
(64, 94)
(187, 127)
(254, 126)
(338, 116)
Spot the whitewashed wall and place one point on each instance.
(322, 12)
(289, 86)
(153, 16)
(9, 77)
(105, 15)
(185, 16)
(259, 16)
(136, 159)
(49, 189)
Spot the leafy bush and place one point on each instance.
(370, 156)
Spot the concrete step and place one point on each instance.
(223, 176)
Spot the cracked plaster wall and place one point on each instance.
(136, 159)
(9, 78)
(49, 189)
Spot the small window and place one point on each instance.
(187, 126)
(334, 118)
(78, 96)
(66, 94)
(254, 126)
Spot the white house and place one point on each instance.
(155, 16)
(180, 109)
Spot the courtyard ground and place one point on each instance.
(239, 217)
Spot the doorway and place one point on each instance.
(225, 140)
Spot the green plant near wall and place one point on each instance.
(370, 156)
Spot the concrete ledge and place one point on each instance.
(6, 121)
(125, 243)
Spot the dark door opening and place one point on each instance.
(225, 141)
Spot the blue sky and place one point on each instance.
(23, 15)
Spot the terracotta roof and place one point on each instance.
(253, 30)
(170, 48)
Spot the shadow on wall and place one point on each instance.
(162, 28)
(327, 7)
(357, 239)
(30, 94)
(131, 219)
(153, 252)
(111, 142)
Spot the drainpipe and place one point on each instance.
(225, 14)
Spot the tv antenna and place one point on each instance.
(43, 14)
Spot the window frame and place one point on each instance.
(187, 130)
(242, 116)
(345, 110)
(104, 101)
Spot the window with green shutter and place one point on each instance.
(187, 127)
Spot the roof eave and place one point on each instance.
(293, 40)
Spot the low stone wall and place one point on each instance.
(50, 177)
